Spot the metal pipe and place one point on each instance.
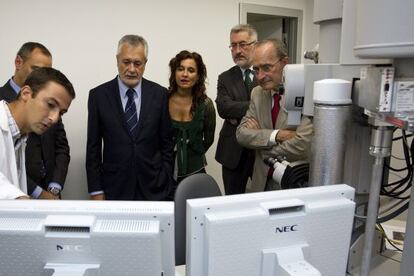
(332, 113)
(331, 124)
(381, 141)
(373, 201)
(408, 254)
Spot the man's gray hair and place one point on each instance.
(279, 46)
(135, 41)
(245, 28)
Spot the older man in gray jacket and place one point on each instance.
(264, 127)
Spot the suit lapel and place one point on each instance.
(237, 79)
(267, 105)
(145, 105)
(9, 94)
(255, 83)
(114, 97)
(265, 110)
(282, 116)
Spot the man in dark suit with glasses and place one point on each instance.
(233, 96)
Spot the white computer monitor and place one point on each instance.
(42, 237)
(304, 232)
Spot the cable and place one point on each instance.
(394, 169)
(397, 188)
(392, 206)
(391, 242)
(396, 157)
(396, 175)
(400, 137)
(388, 217)
(394, 214)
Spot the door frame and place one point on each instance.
(295, 41)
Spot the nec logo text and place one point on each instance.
(78, 248)
(287, 228)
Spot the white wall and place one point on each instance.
(82, 36)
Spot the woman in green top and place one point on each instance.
(192, 114)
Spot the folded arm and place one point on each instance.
(250, 133)
(297, 147)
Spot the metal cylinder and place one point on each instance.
(381, 141)
(372, 213)
(330, 123)
(332, 113)
(408, 254)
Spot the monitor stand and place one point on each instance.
(72, 269)
(287, 261)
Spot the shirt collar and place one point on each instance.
(123, 88)
(276, 91)
(14, 128)
(243, 70)
(15, 86)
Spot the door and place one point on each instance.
(275, 22)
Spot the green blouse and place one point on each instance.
(193, 139)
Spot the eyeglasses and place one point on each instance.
(242, 45)
(265, 67)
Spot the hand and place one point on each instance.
(285, 134)
(251, 123)
(97, 197)
(47, 195)
(23, 197)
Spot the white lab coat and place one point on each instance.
(12, 182)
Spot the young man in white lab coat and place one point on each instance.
(45, 96)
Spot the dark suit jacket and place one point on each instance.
(232, 103)
(52, 146)
(129, 169)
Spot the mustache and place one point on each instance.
(240, 56)
(266, 79)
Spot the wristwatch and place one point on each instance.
(54, 190)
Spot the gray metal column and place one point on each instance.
(332, 113)
(331, 123)
(381, 141)
(407, 263)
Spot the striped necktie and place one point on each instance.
(131, 113)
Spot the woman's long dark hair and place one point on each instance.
(199, 88)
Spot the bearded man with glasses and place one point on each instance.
(233, 97)
(264, 127)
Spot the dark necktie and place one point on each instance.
(275, 108)
(131, 113)
(247, 81)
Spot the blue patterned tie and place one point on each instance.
(131, 113)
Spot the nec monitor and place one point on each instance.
(303, 231)
(42, 237)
